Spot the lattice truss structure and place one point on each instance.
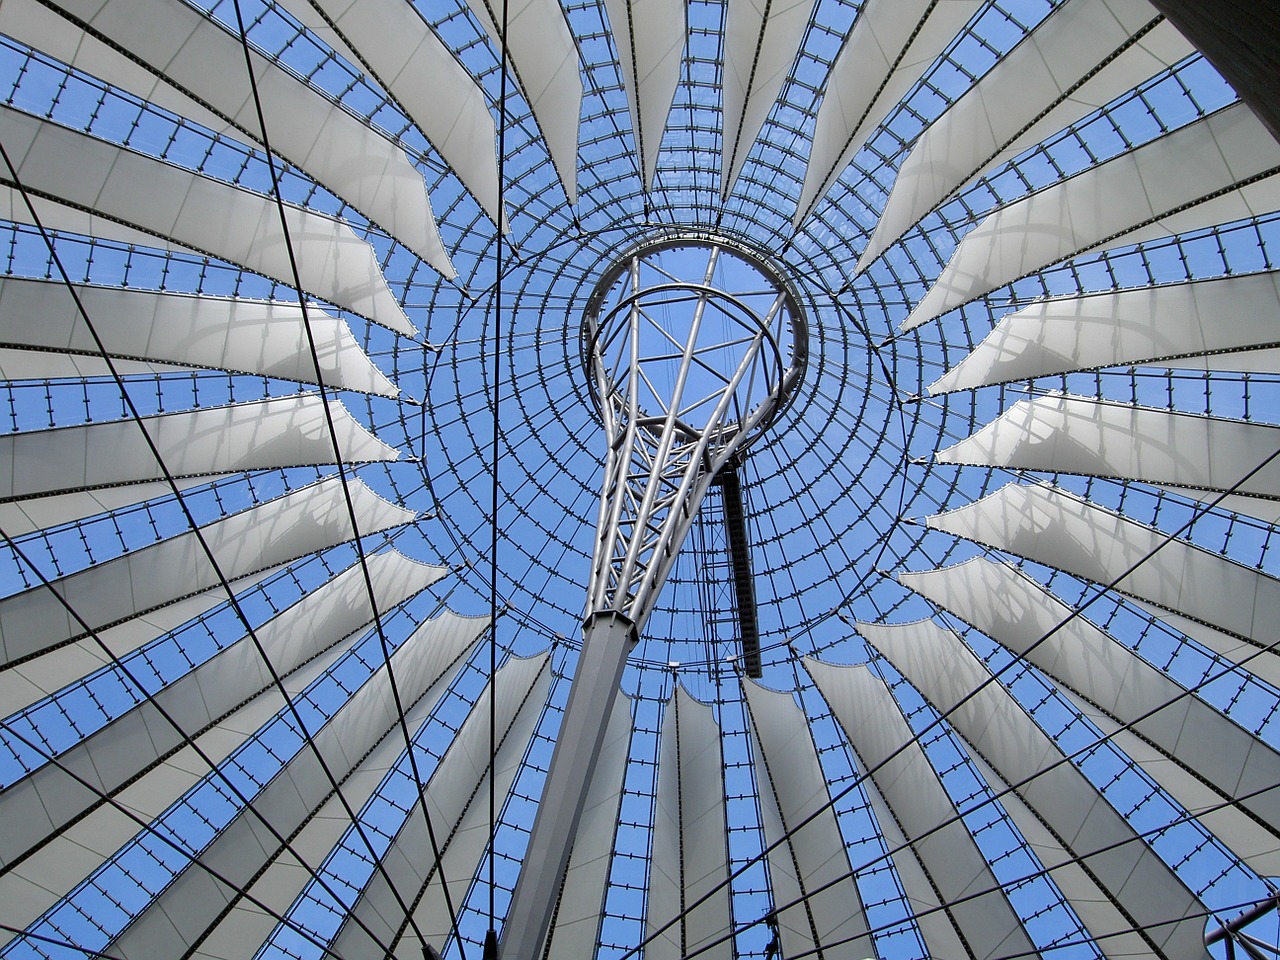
(678, 410)
(302, 464)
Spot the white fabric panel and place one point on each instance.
(246, 436)
(1060, 530)
(29, 681)
(194, 900)
(20, 517)
(1045, 84)
(1266, 665)
(1015, 611)
(792, 787)
(1136, 196)
(45, 29)
(190, 53)
(940, 937)
(874, 726)
(544, 58)
(456, 796)
(761, 40)
(945, 671)
(1255, 844)
(246, 927)
(575, 927)
(1077, 435)
(114, 193)
(1101, 918)
(690, 850)
(173, 331)
(45, 801)
(390, 40)
(27, 365)
(1205, 319)
(1268, 511)
(649, 36)
(275, 532)
(52, 871)
(892, 44)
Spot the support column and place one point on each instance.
(607, 639)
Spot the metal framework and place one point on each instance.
(239, 524)
(685, 375)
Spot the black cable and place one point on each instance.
(55, 942)
(491, 941)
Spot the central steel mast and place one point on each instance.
(684, 375)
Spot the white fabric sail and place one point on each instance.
(1213, 759)
(690, 848)
(650, 38)
(544, 58)
(455, 798)
(792, 789)
(1222, 324)
(944, 670)
(760, 45)
(44, 336)
(892, 44)
(275, 532)
(53, 870)
(392, 42)
(1055, 528)
(220, 704)
(180, 916)
(1215, 170)
(575, 928)
(1063, 434)
(44, 802)
(187, 54)
(291, 431)
(246, 927)
(921, 808)
(89, 186)
(1080, 57)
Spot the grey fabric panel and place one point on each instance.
(690, 851)
(793, 787)
(424, 666)
(1079, 58)
(760, 45)
(397, 48)
(1060, 530)
(44, 336)
(53, 871)
(892, 44)
(544, 55)
(275, 532)
(920, 806)
(1221, 324)
(1191, 178)
(43, 803)
(190, 52)
(576, 926)
(103, 190)
(938, 663)
(455, 797)
(650, 38)
(291, 431)
(1017, 612)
